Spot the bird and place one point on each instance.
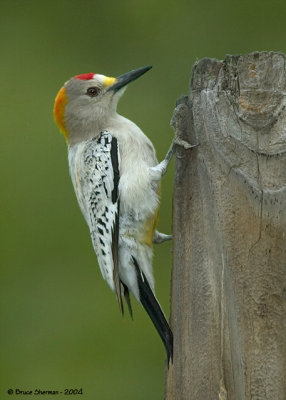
(116, 179)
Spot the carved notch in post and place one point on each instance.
(229, 225)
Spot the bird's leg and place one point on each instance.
(160, 237)
(159, 170)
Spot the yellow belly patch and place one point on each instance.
(149, 228)
(150, 224)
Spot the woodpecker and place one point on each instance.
(116, 178)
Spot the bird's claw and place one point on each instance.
(160, 237)
(184, 143)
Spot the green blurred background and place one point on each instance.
(60, 323)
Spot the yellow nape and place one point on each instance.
(108, 81)
(149, 228)
(59, 111)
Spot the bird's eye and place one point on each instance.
(93, 91)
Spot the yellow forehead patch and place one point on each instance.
(59, 110)
(108, 81)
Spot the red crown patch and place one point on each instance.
(85, 77)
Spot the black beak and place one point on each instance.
(124, 79)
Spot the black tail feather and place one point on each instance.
(127, 299)
(151, 305)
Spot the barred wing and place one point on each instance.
(99, 185)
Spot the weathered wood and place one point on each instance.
(229, 224)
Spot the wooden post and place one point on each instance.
(229, 225)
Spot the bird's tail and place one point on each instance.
(151, 305)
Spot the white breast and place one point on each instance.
(137, 192)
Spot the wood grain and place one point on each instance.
(229, 225)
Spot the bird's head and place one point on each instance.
(86, 102)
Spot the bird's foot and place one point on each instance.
(161, 237)
(184, 143)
